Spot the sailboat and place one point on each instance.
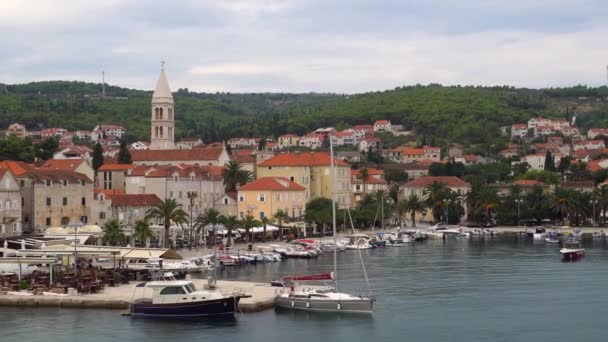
(327, 299)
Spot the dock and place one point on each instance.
(119, 297)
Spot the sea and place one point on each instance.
(456, 290)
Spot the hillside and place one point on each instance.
(467, 115)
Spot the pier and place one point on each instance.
(119, 297)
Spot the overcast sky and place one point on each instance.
(344, 46)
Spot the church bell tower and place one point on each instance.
(163, 120)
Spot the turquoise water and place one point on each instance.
(456, 291)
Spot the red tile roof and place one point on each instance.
(577, 184)
(381, 122)
(62, 164)
(56, 176)
(528, 182)
(134, 200)
(450, 181)
(272, 183)
(370, 172)
(201, 153)
(302, 159)
(115, 167)
(18, 168)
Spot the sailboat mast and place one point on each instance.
(333, 210)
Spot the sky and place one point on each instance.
(342, 46)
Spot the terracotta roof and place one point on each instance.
(576, 184)
(202, 153)
(519, 126)
(272, 183)
(288, 135)
(17, 167)
(183, 170)
(363, 127)
(134, 200)
(414, 166)
(594, 165)
(106, 192)
(370, 172)
(450, 181)
(302, 159)
(115, 167)
(56, 176)
(244, 159)
(381, 122)
(62, 164)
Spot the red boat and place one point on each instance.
(572, 254)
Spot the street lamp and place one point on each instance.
(593, 202)
(518, 201)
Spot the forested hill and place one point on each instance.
(467, 115)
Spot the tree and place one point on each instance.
(210, 217)
(395, 176)
(143, 232)
(415, 205)
(247, 223)
(113, 232)
(484, 202)
(549, 162)
(364, 172)
(318, 211)
(281, 216)
(564, 165)
(579, 172)
(535, 202)
(192, 196)
(265, 221)
(262, 144)
(230, 223)
(124, 156)
(233, 176)
(46, 148)
(167, 211)
(435, 196)
(97, 156)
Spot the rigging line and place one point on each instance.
(360, 254)
(376, 217)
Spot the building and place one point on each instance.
(10, 204)
(74, 152)
(113, 176)
(370, 143)
(176, 181)
(312, 140)
(312, 171)
(16, 130)
(162, 135)
(519, 130)
(101, 132)
(81, 166)
(581, 186)
(419, 186)
(139, 145)
(413, 170)
(227, 205)
(349, 156)
(537, 160)
(347, 138)
(470, 159)
(127, 208)
(264, 196)
(236, 143)
(55, 198)
(411, 155)
(375, 181)
(592, 133)
(363, 130)
(187, 144)
(215, 155)
(53, 133)
(382, 126)
(589, 145)
(289, 140)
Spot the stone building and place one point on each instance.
(10, 204)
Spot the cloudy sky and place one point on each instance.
(345, 46)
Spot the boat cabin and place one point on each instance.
(179, 291)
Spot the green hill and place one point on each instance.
(468, 115)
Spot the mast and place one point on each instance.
(333, 211)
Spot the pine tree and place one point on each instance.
(97, 156)
(549, 162)
(124, 156)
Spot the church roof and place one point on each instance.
(162, 90)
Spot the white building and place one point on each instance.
(382, 126)
(519, 130)
(162, 134)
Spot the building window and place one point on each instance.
(241, 198)
(65, 221)
(261, 198)
(22, 183)
(102, 215)
(1, 229)
(65, 201)
(242, 214)
(48, 221)
(292, 179)
(15, 228)
(22, 201)
(171, 194)
(83, 201)
(225, 201)
(65, 182)
(278, 197)
(83, 183)
(261, 215)
(48, 201)
(84, 219)
(180, 194)
(48, 182)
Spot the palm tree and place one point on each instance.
(582, 202)
(210, 217)
(453, 205)
(415, 205)
(601, 195)
(435, 195)
(192, 196)
(113, 232)
(402, 209)
(233, 176)
(562, 203)
(249, 222)
(364, 173)
(486, 202)
(536, 201)
(230, 223)
(281, 216)
(143, 232)
(167, 211)
(265, 221)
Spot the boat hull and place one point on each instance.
(217, 307)
(573, 254)
(365, 305)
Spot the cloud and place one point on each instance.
(305, 45)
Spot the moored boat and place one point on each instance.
(572, 254)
